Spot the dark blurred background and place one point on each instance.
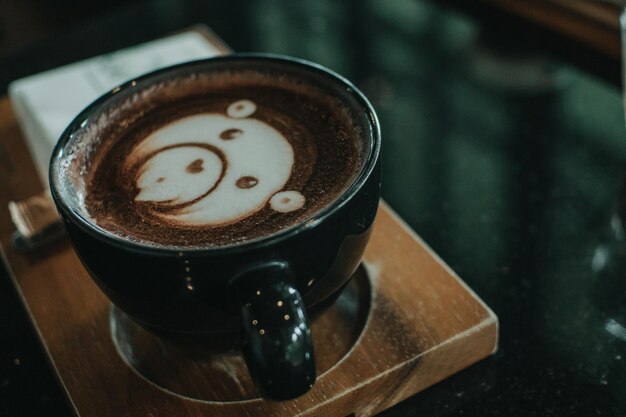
(585, 32)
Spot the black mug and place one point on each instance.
(263, 288)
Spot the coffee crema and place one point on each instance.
(216, 159)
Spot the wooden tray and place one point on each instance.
(422, 324)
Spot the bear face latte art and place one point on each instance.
(230, 169)
(216, 159)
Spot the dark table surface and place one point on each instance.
(505, 160)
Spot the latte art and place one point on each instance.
(233, 166)
(216, 159)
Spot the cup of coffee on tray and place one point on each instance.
(232, 194)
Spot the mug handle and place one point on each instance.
(277, 343)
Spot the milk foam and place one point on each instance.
(163, 175)
(167, 163)
(211, 169)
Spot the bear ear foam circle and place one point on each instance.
(240, 109)
(286, 201)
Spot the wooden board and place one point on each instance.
(423, 323)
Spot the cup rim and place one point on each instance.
(76, 218)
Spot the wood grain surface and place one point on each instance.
(591, 22)
(422, 323)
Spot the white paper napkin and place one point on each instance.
(46, 103)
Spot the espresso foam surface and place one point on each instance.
(229, 160)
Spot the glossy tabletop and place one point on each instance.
(507, 161)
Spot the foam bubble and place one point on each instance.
(286, 201)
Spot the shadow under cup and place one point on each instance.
(262, 288)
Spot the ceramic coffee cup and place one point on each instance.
(263, 288)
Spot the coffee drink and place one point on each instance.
(232, 194)
(213, 159)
